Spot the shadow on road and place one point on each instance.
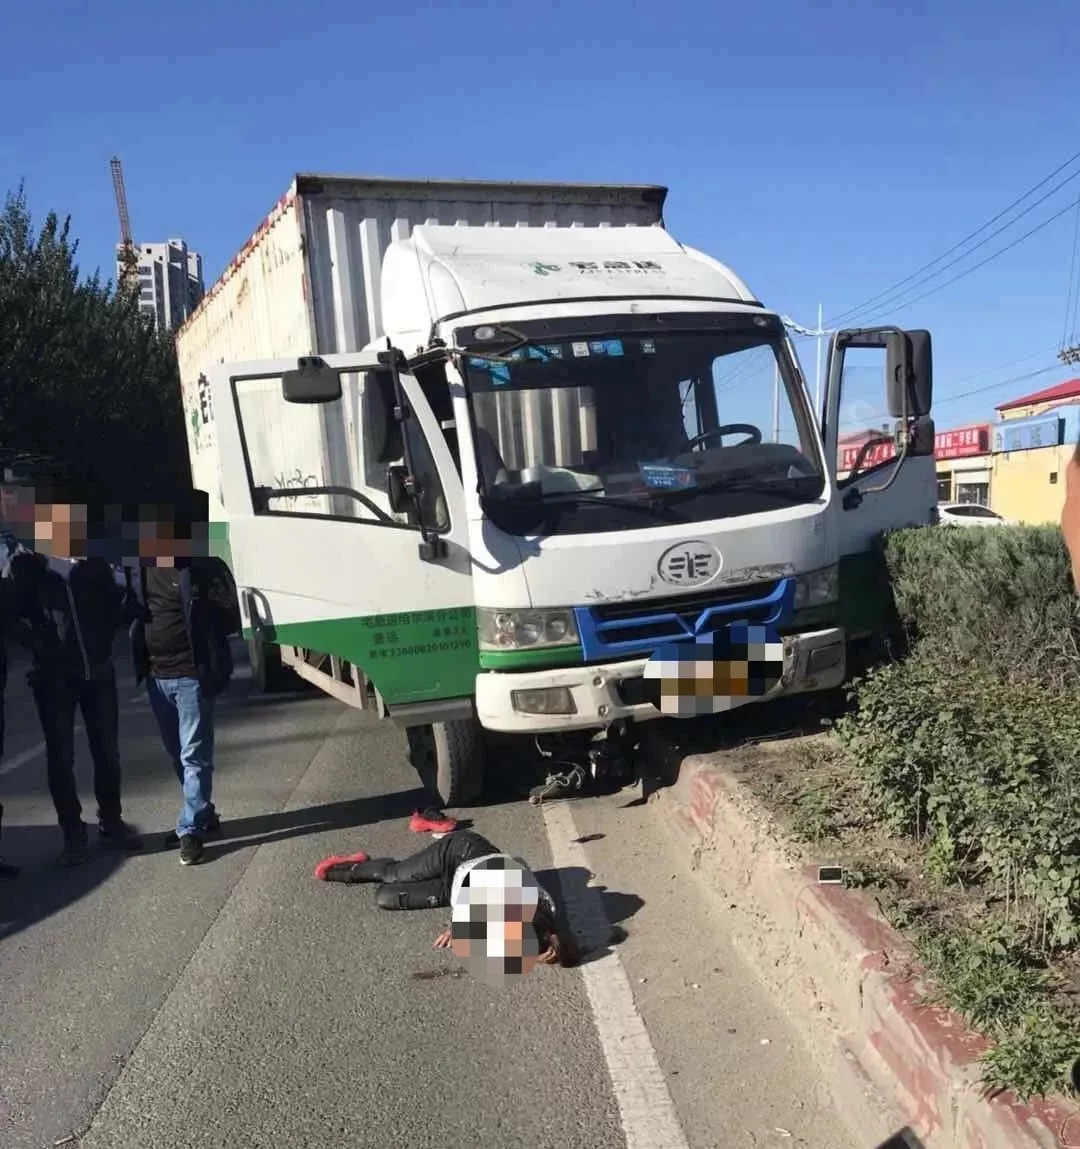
(45, 887)
(258, 830)
(570, 885)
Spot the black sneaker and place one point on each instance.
(212, 827)
(75, 849)
(191, 850)
(118, 835)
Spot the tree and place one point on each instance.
(84, 377)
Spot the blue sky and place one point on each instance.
(824, 151)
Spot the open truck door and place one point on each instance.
(880, 438)
(348, 541)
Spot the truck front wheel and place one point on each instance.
(450, 758)
(268, 672)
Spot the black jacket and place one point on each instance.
(212, 614)
(68, 625)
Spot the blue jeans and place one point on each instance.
(185, 717)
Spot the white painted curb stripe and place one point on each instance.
(646, 1109)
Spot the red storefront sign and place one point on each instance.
(962, 443)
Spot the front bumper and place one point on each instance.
(612, 692)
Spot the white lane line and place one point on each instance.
(648, 1115)
(17, 761)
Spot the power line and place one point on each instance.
(982, 243)
(894, 307)
(995, 386)
(961, 243)
(966, 394)
(1068, 333)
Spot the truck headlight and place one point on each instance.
(818, 587)
(525, 629)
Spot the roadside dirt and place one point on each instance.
(794, 767)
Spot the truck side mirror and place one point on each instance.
(909, 368)
(312, 381)
(397, 491)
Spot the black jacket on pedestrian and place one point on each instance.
(211, 614)
(68, 624)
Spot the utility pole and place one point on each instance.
(1070, 355)
(819, 333)
(820, 352)
(776, 403)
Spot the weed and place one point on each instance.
(871, 875)
(1036, 1056)
(990, 977)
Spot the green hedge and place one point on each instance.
(985, 773)
(971, 743)
(1000, 598)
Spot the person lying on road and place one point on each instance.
(466, 872)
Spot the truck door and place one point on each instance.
(879, 438)
(335, 556)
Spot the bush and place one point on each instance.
(986, 773)
(999, 598)
(971, 746)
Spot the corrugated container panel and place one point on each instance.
(348, 225)
(257, 308)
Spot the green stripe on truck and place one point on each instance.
(418, 656)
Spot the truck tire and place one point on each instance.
(268, 672)
(450, 758)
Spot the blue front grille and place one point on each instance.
(640, 626)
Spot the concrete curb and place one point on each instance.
(856, 978)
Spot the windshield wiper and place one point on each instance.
(655, 507)
(755, 486)
(651, 506)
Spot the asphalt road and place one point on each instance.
(242, 1005)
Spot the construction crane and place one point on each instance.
(127, 258)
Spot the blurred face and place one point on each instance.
(492, 931)
(60, 530)
(158, 538)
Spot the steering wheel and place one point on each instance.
(753, 434)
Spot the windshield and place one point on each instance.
(638, 423)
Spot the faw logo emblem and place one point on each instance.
(596, 267)
(689, 564)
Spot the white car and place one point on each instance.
(969, 515)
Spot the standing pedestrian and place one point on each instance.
(9, 546)
(68, 609)
(180, 646)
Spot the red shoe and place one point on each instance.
(431, 821)
(337, 860)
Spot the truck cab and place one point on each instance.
(574, 462)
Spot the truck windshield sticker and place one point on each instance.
(611, 347)
(665, 477)
(499, 373)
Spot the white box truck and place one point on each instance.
(510, 457)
